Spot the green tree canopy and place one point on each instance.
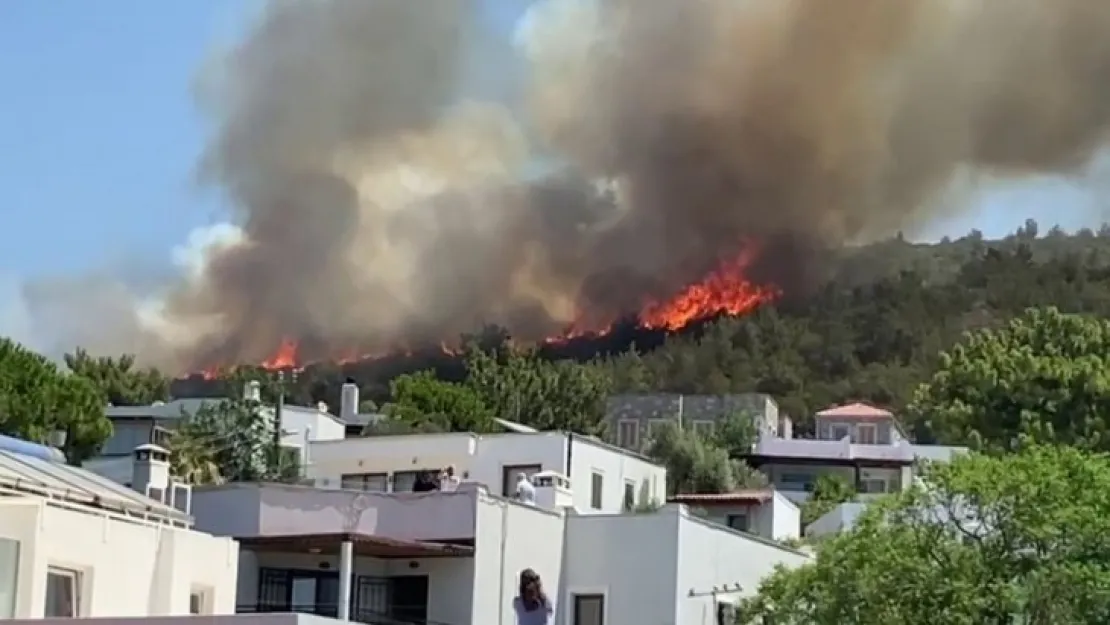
(990, 539)
(420, 399)
(37, 398)
(230, 440)
(119, 380)
(521, 386)
(1045, 375)
(698, 465)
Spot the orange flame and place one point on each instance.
(726, 290)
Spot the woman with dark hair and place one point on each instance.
(531, 605)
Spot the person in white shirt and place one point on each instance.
(525, 492)
(448, 481)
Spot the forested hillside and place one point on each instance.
(872, 332)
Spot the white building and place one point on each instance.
(454, 557)
(133, 426)
(764, 511)
(604, 478)
(864, 445)
(73, 544)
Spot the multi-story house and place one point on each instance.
(631, 418)
(360, 546)
(864, 445)
(74, 545)
(133, 426)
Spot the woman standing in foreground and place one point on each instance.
(531, 605)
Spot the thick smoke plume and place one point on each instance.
(382, 204)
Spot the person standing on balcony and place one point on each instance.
(448, 481)
(525, 492)
(531, 605)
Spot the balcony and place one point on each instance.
(331, 610)
(270, 511)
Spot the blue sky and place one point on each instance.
(99, 135)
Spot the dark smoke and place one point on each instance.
(384, 208)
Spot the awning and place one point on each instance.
(364, 545)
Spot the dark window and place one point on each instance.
(597, 481)
(372, 482)
(406, 481)
(509, 473)
(737, 522)
(629, 495)
(589, 610)
(196, 603)
(63, 594)
(400, 599)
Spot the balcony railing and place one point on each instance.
(331, 610)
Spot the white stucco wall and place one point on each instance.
(483, 459)
(710, 555)
(509, 538)
(298, 421)
(628, 558)
(646, 565)
(649, 481)
(127, 567)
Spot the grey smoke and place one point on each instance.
(387, 203)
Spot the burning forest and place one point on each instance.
(400, 174)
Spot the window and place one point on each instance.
(588, 610)
(199, 601)
(629, 495)
(839, 431)
(509, 473)
(405, 481)
(628, 433)
(372, 482)
(9, 576)
(737, 521)
(865, 434)
(653, 426)
(63, 593)
(704, 427)
(797, 481)
(872, 486)
(597, 481)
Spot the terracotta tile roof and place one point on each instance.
(857, 410)
(753, 496)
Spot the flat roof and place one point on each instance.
(364, 545)
(56, 480)
(743, 497)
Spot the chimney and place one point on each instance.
(552, 490)
(252, 391)
(786, 427)
(150, 471)
(348, 401)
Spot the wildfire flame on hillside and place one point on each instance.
(724, 291)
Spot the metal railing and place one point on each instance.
(331, 610)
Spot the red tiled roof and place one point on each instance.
(858, 410)
(754, 496)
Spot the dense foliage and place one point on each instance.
(1016, 538)
(873, 332)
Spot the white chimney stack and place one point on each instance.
(348, 402)
(150, 471)
(253, 391)
(552, 490)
